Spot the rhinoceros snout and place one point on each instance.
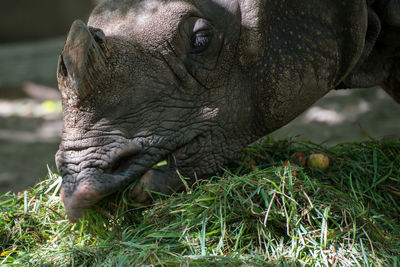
(81, 62)
(77, 202)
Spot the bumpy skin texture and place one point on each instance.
(194, 81)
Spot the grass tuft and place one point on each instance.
(258, 211)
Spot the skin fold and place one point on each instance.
(192, 82)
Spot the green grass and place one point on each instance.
(256, 212)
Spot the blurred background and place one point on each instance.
(32, 34)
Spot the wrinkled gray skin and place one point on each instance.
(195, 81)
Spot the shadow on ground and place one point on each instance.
(347, 116)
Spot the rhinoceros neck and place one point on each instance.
(310, 47)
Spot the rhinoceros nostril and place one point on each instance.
(123, 159)
(122, 163)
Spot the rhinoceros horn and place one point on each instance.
(81, 62)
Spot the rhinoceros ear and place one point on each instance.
(81, 63)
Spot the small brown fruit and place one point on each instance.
(299, 158)
(318, 161)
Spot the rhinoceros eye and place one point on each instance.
(202, 33)
(201, 41)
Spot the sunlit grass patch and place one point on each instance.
(257, 211)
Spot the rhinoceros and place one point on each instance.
(195, 81)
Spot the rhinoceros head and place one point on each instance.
(191, 82)
(144, 82)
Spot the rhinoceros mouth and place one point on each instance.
(124, 170)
